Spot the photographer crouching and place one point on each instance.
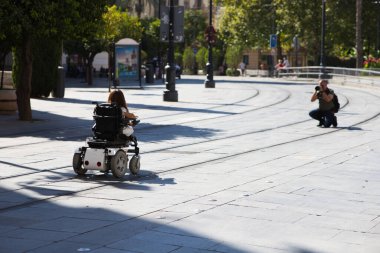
(325, 113)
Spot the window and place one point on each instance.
(246, 59)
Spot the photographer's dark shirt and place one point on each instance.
(326, 106)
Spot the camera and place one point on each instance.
(319, 94)
(317, 88)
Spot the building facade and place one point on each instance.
(151, 8)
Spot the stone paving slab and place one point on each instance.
(238, 168)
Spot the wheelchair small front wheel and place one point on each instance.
(134, 165)
(78, 164)
(119, 164)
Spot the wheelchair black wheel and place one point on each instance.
(134, 165)
(78, 165)
(119, 164)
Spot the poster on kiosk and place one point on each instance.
(127, 63)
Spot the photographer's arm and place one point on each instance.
(314, 96)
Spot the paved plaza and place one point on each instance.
(238, 168)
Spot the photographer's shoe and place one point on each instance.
(320, 124)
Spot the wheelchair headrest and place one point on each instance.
(107, 110)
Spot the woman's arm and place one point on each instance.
(129, 115)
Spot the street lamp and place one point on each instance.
(322, 62)
(159, 64)
(210, 83)
(171, 94)
(377, 47)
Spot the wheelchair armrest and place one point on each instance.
(135, 121)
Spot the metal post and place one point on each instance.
(209, 83)
(159, 76)
(296, 49)
(322, 62)
(377, 30)
(111, 66)
(171, 94)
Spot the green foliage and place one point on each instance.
(89, 18)
(113, 25)
(150, 37)
(248, 23)
(57, 19)
(8, 32)
(302, 18)
(188, 59)
(144, 56)
(233, 57)
(194, 28)
(131, 28)
(201, 58)
(232, 72)
(216, 58)
(178, 57)
(46, 58)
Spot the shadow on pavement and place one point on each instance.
(242, 81)
(136, 106)
(58, 127)
(83, 223)
(156, 133)
(350, 128)
(105, 221)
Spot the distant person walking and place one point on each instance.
(278, 67)
(242, 68)
(285, 64)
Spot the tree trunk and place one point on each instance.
(23, 88)
(2, 70)
(279, 49)
(111, 64)
(89, 73)
(359, 40)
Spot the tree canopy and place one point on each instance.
(27, 20)
(248, 23)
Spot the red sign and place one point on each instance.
(210, 35)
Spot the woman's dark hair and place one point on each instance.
(117, 97)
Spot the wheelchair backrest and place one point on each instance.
(108, 119)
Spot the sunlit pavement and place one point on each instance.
(237, 168)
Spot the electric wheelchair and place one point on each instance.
(108, 149)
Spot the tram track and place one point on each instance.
(187, 166)
(198, 142)
(142, 128)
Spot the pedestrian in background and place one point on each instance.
(242, 68)
(285, 64)
(278, 67)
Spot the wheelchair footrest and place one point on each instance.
(106, 144)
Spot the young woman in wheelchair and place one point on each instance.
(117, 97)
